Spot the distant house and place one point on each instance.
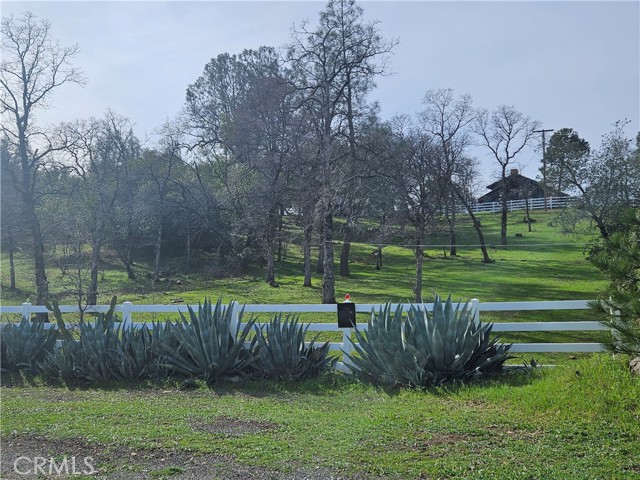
(519, 187)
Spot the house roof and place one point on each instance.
(518, 186)
(514, 178)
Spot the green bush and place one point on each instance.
(619, 305)
(429, 348)
(207, 346)
(282, 354)
(102, 352)
(24, 345)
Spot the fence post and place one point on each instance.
(475, 308)
(346, 345)
(235, 318)
(614, 333)
(126, 315)
(26, 310)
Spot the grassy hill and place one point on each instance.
(544, 264)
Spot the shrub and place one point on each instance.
(282, 353)
(427, 349)
(25, 344)
(208, 346)
(103, 352)
(619, 305)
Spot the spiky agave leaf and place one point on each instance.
(282, 353)
(429, 348)
(25, 344)
(208, 347)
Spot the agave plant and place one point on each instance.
(163, 339)
(283, 354)
(429, 348)
(103, 351)
(207, 346)
(25, 344)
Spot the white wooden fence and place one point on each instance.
(534, 204)
(128, 309)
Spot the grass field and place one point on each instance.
(543, 264)
(576, 421)
(563, 423)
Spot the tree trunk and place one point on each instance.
(158, 247)
(306, 246)
(346, 247)
(328, 277)
(378, 255)
(12, 268)
(453, 251)
(483, 246)
(451, 219)
(188, 242)
(280, 224)
(526, 209)
(503, 216)
(28, 197)
(128, 254)
(477, 226)
(269, 239)
(419, 262)
(42, 284)
(269, 275)
(348, 234)
(92, 291)
(320, 263)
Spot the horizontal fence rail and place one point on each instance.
(533, 204)
(128, 309)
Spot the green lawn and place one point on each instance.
(575, 422)
(578, 420)
(542, 265)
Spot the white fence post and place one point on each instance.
(475, 308)
(346, 344)
(126, 315)
(235, 318)
(26, 310)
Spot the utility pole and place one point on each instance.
(544, 163)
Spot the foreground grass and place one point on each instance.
(578, 422)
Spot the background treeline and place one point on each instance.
(271, 147)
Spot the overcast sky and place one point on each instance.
(567, 64)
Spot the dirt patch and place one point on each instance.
(232, 427)
(514, 432)
(75, 458)
(445, 439)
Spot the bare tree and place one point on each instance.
(418, 183)
(33, 66)
(96, 153)
(330, 62)
(505, 132)
(161, 165)
(446, 118)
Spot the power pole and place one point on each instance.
(544, 163)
